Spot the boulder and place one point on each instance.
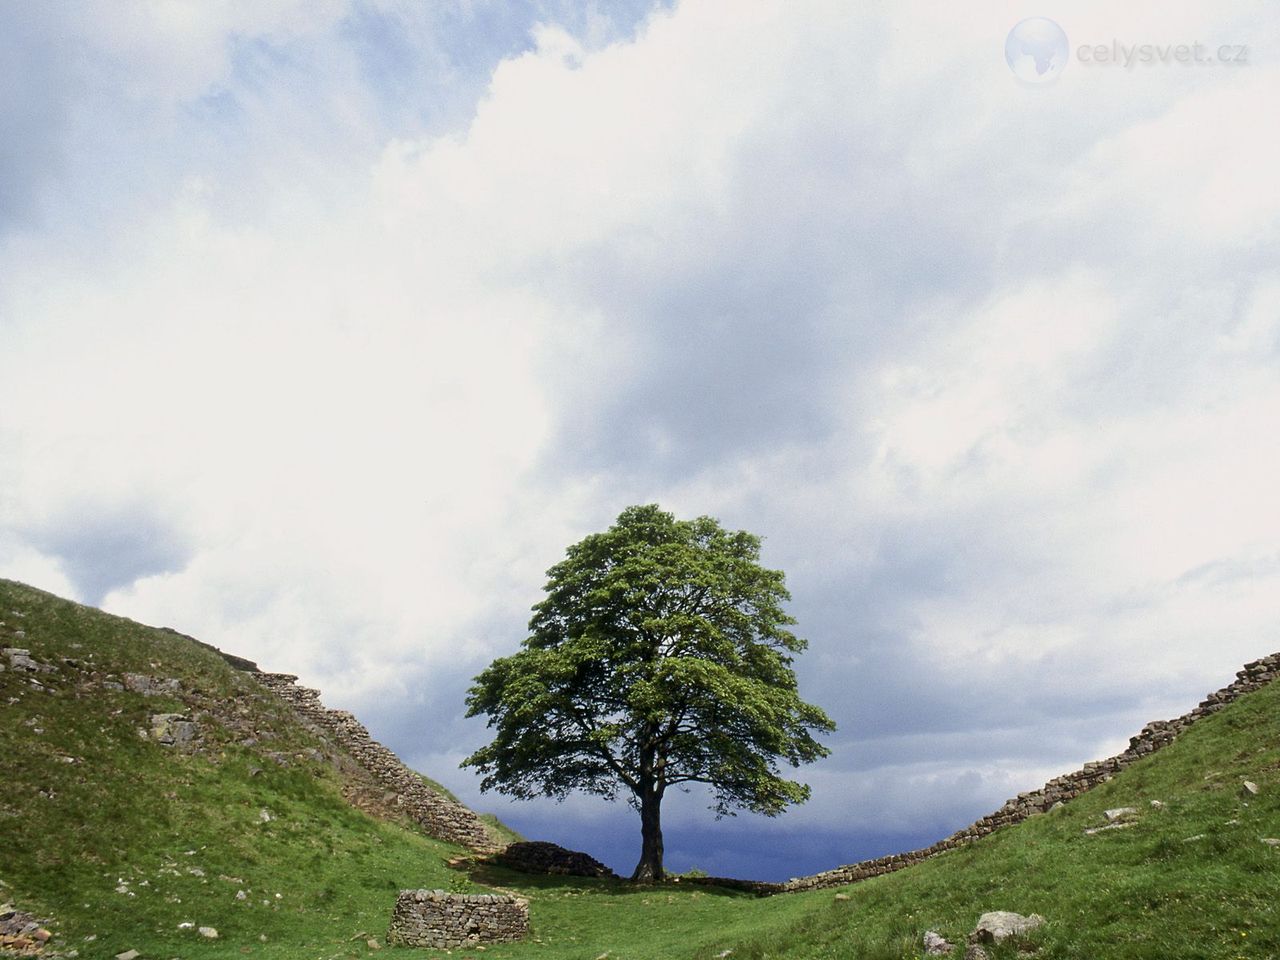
(173, 728)
(21, 661)
(1000, 925)
(539, 856)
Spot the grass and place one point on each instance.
(130, 839)
(120, 839)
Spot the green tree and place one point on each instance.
(659, 658)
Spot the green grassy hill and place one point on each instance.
(120, 840)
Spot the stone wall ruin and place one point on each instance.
(444, 921)
(438, 815)
(1153, 737)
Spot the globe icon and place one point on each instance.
(1036, 50)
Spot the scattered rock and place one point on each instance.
(1271, 841)
(208, 932)
(935, 945)
(173, 729)
(1198, 836)
(1119, 813)
(1248, 790)
(20, 932)
(1157, 805)
(21, 661)
(975, 952)
(841, 896)
(1110, 826)
(999, 925)
(128, 955)
(152, 686)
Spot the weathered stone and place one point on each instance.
(976, 952)
(539, 856)
(173, 728)
(209, 933)
(999, 925)
(152, 686)
(1110, 826)
(1248, 789)
(21, 661)
(936, 945)
(128, 955)
(1120, 813)
(443, 921)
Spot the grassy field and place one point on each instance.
(120, 840)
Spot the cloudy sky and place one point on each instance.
(325, 327)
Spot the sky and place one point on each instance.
(326, 327)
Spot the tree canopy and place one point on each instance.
(660, 657)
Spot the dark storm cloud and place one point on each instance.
(101, 548)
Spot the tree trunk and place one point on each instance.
(649, 869)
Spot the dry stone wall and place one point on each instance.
(439, 816)
(444, 921)
(1058, 790)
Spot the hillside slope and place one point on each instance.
(148, 783)
(253, 822)
(1188, 877)
(1193, 871)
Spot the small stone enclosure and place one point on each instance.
(442, 921)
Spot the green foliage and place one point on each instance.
(660, 657)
